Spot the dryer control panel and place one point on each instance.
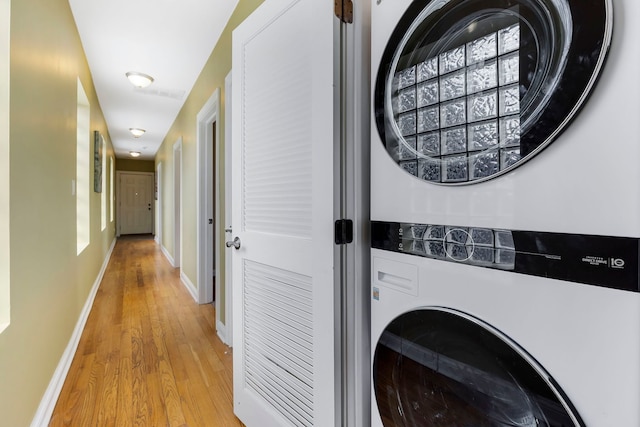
(594, 260)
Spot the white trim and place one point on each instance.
(356, 368)
(177, 202)
(228, 268)
(221, 331)
(48, 402)
(168, 256)
(193, 291)
(117, 200)
(159, 217)
(112, 189)
(217, 218)
(205, 118)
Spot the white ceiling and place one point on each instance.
(169, 40)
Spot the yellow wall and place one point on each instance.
(5, 7)
(49, 283)
(131, 165)
(211, 78)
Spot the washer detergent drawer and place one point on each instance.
(399, 276)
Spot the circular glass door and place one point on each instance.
(470, 89)
(440, 367)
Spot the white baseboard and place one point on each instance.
(168, 256)
(221, 330)
(48, 402)
(189, 285)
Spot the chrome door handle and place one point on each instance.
(235, 243)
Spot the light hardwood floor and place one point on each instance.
(149, 355)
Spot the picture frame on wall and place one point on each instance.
(98, 147)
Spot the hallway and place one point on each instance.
(149, 355)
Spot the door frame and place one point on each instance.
(158, 217)
(118, 200)
(177, 202)
(356, 289)
(205, 237)
(226, 331)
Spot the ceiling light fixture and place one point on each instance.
(134, 153)
(139, 80)
(137, 132)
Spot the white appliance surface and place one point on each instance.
(586, 337)
(586, 182)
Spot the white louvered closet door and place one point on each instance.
(283, 178)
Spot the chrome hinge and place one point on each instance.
(343, 232)
(344, 10)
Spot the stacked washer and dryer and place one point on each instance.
(505, 288)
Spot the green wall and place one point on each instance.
(49, 282)
(211, 78)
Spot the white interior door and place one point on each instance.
(283, 177)
(136, 203)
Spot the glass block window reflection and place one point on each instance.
(458, 114)
(483, 247)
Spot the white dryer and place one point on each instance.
(505, 195)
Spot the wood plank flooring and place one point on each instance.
(149, 355)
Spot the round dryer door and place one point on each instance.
(439, 367)
(470, 89)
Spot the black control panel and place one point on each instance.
(606, 261)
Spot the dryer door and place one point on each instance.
(469, 89)
(441, 367)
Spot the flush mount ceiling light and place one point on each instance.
(137, 132)
(134, 153)
(139, 80)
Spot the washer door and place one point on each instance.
(440, 367)
(469, 89)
